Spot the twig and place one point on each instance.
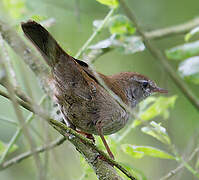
(18, 132)
(84, 146)
(42, 70)
(64, 130)
(18, 113)
(21, 49)
(8, 121)
(28, 154)
(22, 103)
(152, 35)
(160, 56)
(94, 33)
(174, 171)
(9, 65)
(172, 30)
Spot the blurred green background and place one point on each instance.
(73, 27)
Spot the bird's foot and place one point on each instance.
(87, 135)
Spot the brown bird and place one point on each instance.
(84, 103)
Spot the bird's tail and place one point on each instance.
(43, 41)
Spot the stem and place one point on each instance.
(84, 47)
(174, 171)
(154, 34)
(163, 60)
(28, 154)
(8, 121)
(18, 133)
(185, 164)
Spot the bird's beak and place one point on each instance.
(160, 90)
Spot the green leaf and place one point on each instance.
(110, 3)
(152, 107)
(141, 151)
(159, 107)
(3, 147)
(130, 44)
(15, 8)
(125, 44)
(183, 51)
(193, 32)
(120, 24)
(189, 69)
(158, 132)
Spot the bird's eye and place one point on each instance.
(145, 84)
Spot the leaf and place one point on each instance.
(3, 147)
(141, 151)
(120, 24)
(131, 44)
(126, 44)
(158, 107)
(183, 51)
(158, 132)
(110, 3)
(193, 32)
(189, 69)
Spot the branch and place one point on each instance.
(28, 154)
(20, 102)
(174, 171)
(161, 57)
(17, 110)
(103, 168)
(152, 35)
(172, 30)
(79, 141)
(158, 55)
(22, 50)
(84, 47)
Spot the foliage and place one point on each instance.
(150, 118)
(141, 151)
(110, 3)
(187, 53)
(192, 33)
(120, 24)
(153, 107)
(158, 132)
(189, 69)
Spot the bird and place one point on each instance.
(85, 104)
